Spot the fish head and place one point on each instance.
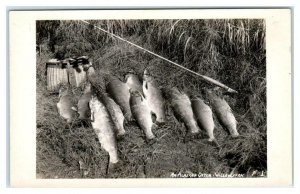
(130, 74)
(210, 94)
(174, 90)
(207, 91)
(170, 92)
(134, 92)
(195, 97)
(127, 76)
(130, 77)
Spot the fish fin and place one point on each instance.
(213, 140)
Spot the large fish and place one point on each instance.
(223, 113)
(204, 117)
(115, 113)
(154, 97)
(103, 127)
(182, 109)
(120, 94)
(66, 105)
(83, 103)
(142, 113)
(133, 82)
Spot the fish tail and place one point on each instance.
(234, 133)
(214, 140)
(110, 166)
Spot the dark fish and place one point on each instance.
(103, 127)
(182, 109)
(142, 113)
(154, 97)
(66, 105)
(119, 92)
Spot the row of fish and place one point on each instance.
(133, 100)
(196, 114)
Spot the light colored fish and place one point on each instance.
(142, 113)
(115, 113)
(154, 97)
(119, 92)
(103, 127)
(182, 109)
(65, 105)
(83, 103)
(204, 117)
(133, 82)
(224, 113)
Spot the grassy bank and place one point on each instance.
(231, 51)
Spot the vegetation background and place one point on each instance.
(232, 51)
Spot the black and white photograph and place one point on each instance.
(120, 98)
(181, 98)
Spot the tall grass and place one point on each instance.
(232, 51)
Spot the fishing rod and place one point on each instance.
(211, 80)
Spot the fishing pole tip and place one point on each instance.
(232, 91)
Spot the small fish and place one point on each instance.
(154, 97)
(133, 82)
(142, 113)
(83, 103)
(115, 113)
(223, 113)
(182, 109)
(119, 92)
(103, 127)
(204, 117)
(65, 106)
